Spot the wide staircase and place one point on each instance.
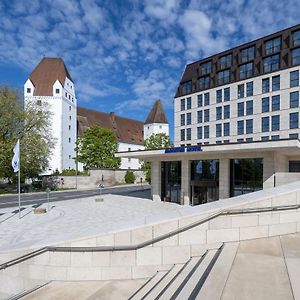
(190, 280)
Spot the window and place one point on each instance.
(223, 77)
(241, 91)
(226, 111)
(296, 56)
(294, 99)
(186, 87)
(294, 120)
(219, 113)
(206, 99)
(249, 126)
(69, 156)
(226, 129)
(206, 132)
(182, 105)
(188, 119)
(188, 103)
(129, 149)
(66, 95)
(240, 109)
(296, 38)
(276, 103)
(219, 96)
(182, 120)
(70, 118)
(265, 138)
(218, 142)
(225, 61)
(39, 102)
(218, 130)
(294, 78)
(265, 124)
(199, 116)
(204, 82)
(271, 63)
(188, 134)
(57, 91)
(28, 90)
(265, 105)
(294, 136)
(246, 70)
(275, 123)
(272, 46)
(240, 140)
(205, 68)
(247, 54)
(275, 137)
(70, 108)
(249, 108)
(240, 127)
(249, 89)
(69, 97)
(69, 127)
(69, 140)
(182, 134)
(129, 159)
(227, 94)
(265, 85)
(199, 133)
(206, 115)
(200, 101)
(276, 83)
(249, 139)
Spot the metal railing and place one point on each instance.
(149, 242)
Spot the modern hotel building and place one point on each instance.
(236, 119)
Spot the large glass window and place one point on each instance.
(227, 94)
(276, 83)
(188, 134)
(265, 85)
(246, 70)
(199, 116)
(188, 103)
(296, 38)
(249, 89)
(248, 54)
(240, 109)
(182, 134)
(249, 126)
(219, 96)
(294, 120)
(226, 111)
(186, 87)
(182, 104)
(249, 108)
(204, 82)
(188, 119)
(206, 99)
(218, 130)
(219, 113)
(200, 100)
(226, 129)
(296, 57)
(241, 91)
(182, 120)
(223, 77)
(275, 102)
(271, 63)
(265, 105)
(275, 123)
(206, 68)
(265, 124)
(225, 61)
(199, 133)
(206, 132)
(240, 127)
(206, 115)
(272, 46)
(294, 99)
(294, 78)
(246, 176)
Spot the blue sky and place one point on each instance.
(123, 55)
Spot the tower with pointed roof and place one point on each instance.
(156, 121)
(50, 83)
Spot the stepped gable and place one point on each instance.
(46, 73)
(157, 114)
(126, 130)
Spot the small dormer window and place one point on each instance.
(28, 90)
(69, 97)
(57, 91)
(66, 95)
(70, 107)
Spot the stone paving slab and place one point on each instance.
(80, 218)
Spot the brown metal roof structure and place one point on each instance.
(157, 114)
(46, 73)
(126, 130)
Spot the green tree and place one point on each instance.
(129, 177)
(96, 148)
(155, 141)
(30, 125)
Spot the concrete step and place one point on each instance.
(140, 293)
(184, 292)
(216, 280)
(163, 283)
(181, 277)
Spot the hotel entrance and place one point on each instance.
(204, 181)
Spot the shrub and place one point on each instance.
(129, 177)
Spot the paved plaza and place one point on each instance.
(79, 218)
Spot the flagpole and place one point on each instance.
(19, 184)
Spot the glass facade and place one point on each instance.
(272, 46)
(271, 63)
(223, 77)
(246, 71)
(247, 54)
(204, 82)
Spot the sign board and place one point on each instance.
(182, 149)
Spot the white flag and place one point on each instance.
(15, 161)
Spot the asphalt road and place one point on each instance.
(39, 198)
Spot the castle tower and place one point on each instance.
(156, 121)
(51, 83)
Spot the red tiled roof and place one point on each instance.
(126, 130)
(46, 73)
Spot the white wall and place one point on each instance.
(155, 128)
(129, 163)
